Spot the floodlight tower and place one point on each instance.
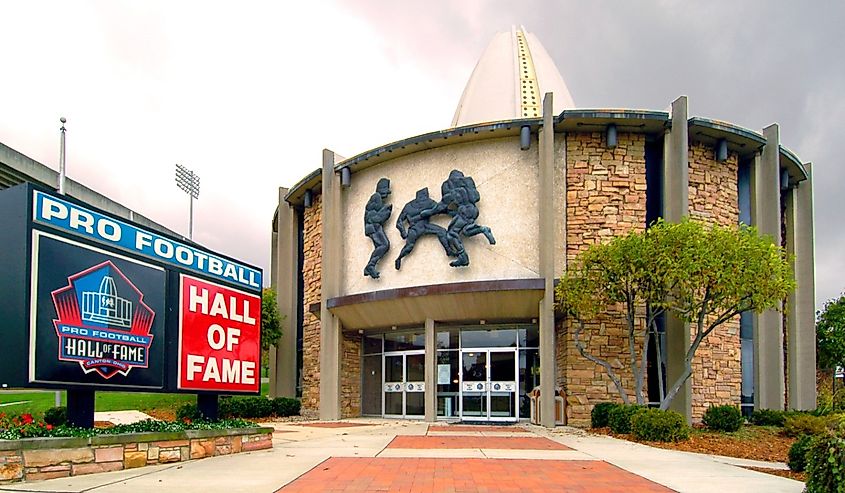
(189, 182)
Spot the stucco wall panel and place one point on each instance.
(507, 180)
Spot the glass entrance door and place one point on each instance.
(488, 385)
(404, 384)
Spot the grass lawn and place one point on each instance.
(38, 402)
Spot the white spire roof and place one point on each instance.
(510, 80)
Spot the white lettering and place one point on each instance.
(51, 209)
(82, 220)
(230, 272)
(233, 310)
(232, 338)
(215, 266)
(231, 370)
(163, 248)
(218, 306)
(212, 372)
(216, 337)
(195, 362)
(247, 319)
(103, 227)
(248, 372)
(195, 299)
(142, 240)
(201, 258)
(184, 255)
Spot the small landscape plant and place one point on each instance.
(619, 418)
(805, 424)
(654, 425)
(768, 417)
(601, 413)
(246, 407)
(826, 465)
(798, 453)
(723, 418)
(56, 416)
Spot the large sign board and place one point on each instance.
(97, 318)
(89, 300)
(219, 337)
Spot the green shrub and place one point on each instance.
(56, 416)
(798, 453)
(768, 417)
(601, 413)
(285, 406)
(654, 425)
(188, 411)
(619, 417)
(723, 418)
(805, 424)
(826, 465)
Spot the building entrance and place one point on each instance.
(404, 384)
(489, 383)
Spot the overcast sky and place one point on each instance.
(247, 93)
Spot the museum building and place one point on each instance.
(417, 278)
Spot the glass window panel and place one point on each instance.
(372, 344)
(447, 371)
(415, 403)
(502, 405)
(746, 325)
(393, 403)
(404, 341)
(475, 404)
(529, 377)
(393, 369)
(371, 385)
(415, 367)
(529, 336)
(447, 404)
(447, 338)
(475, 367)
(488, 338)
(502, 367)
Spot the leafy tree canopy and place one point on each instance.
(830, 334)
(271, 321)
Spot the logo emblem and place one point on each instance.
(103, 322)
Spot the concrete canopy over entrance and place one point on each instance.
(480, 300)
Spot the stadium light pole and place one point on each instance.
(189, 182)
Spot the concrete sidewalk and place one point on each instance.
(299, 448)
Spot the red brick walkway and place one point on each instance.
(463, 442)
(468, 476)
(465, 428)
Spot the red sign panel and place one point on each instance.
(219, 337)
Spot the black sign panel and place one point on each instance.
(98, 317)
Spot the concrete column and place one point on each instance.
(430, 371)
(547, 266)
(801, 331)
(675, 208)
(330, 327)
(768, 326)
(284, 275)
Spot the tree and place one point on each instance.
(830, 336)
(704, 275)
(271, 321)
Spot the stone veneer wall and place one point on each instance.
(606, 197)
(48, 458)
(717, 372)
(350, 375)
(311, 271)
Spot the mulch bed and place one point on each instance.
(797, 476)
(751, 442)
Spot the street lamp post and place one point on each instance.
(189, 182)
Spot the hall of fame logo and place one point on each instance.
(103, 322)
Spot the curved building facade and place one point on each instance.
(417, 278)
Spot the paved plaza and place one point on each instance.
(402, 456)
